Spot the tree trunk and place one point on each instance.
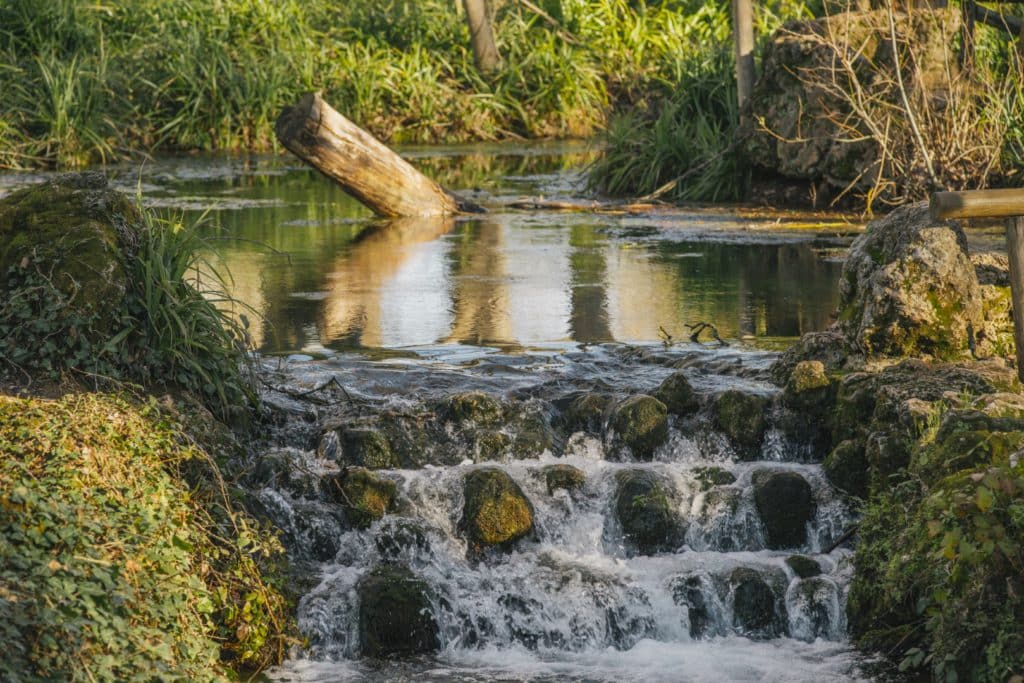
(481, 34)
(364, 167)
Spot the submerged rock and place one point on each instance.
(78, 232)
(645, 511)
(641, 424)
(563, 477)
(365, 496)
(395, 618)
(754, 605)
(474, 407)
(741, 417)
(803, 566)
(677, 394)
(846, 468)
(496, 513)
(785, 502)
(398, 537)
(689, 592)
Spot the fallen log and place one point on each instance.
(364, 167)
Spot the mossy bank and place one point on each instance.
(124, 554)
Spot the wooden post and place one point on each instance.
(481, 36)
(1008, 204)
(1015, 250)
(743, 36)
(364, 167)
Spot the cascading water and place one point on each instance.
(714, 571)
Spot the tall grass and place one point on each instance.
(85, 81)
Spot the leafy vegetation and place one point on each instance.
(111, 566)
(939, 563)
(86, 82)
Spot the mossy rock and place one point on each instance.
(641, 424)
(395, 618)
(809, 389)
(367, 447)
(473, 407)
(754, 606)
(564, 477)
(678, 395)
(645, 511)
(741, 417)
(803, 566)
(584, 412)
(846, 468)
(785, 503)
(709, 477)
(78, 231)
(365, 496)
(496, 513)
(491, 445)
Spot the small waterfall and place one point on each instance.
(729, 588)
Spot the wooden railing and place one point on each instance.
(1008, 204)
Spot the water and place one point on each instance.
(368, 325)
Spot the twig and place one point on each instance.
(562, 33)
(843, 537)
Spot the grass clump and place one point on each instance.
(163, 321)
(86, 82)
(111, 566)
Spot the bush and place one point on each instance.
(111, 568)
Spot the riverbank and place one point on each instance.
(86, 83)
(124, 551)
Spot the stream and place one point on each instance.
(512, 343)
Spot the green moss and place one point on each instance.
(368, 448)
(474, 407)
(496, 511)
(119, 554)
(564, 477)
(709, 477)
(641, 424)
(365, 496)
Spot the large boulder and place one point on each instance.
(805, 126)
(367, 447)
(677, 394)
(785, 502)
(909, 288)
(395, 618)
(77, 232)
(496, 512)
(641, 424)
(643, 506)
(564, 477)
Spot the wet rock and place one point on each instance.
(365, 496)
(397, 538)
(785, 502)
(366, 447)
(281, 469)
(689, 592)
(708, 477)
(815, 606)
(646, 513)
(585, 413)
(492, 445)
(79, 232)
(474, 407)
(496, 513)
(830, 348)
(803, 566)
(641, 424)
(754, 605)
(395, 618)
(563, 477)
(909, 288)
(846, 468)
(741, 417)
(678, 395)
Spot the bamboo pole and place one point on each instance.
(743, 37)
(363, 166)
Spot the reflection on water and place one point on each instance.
(326, 275)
